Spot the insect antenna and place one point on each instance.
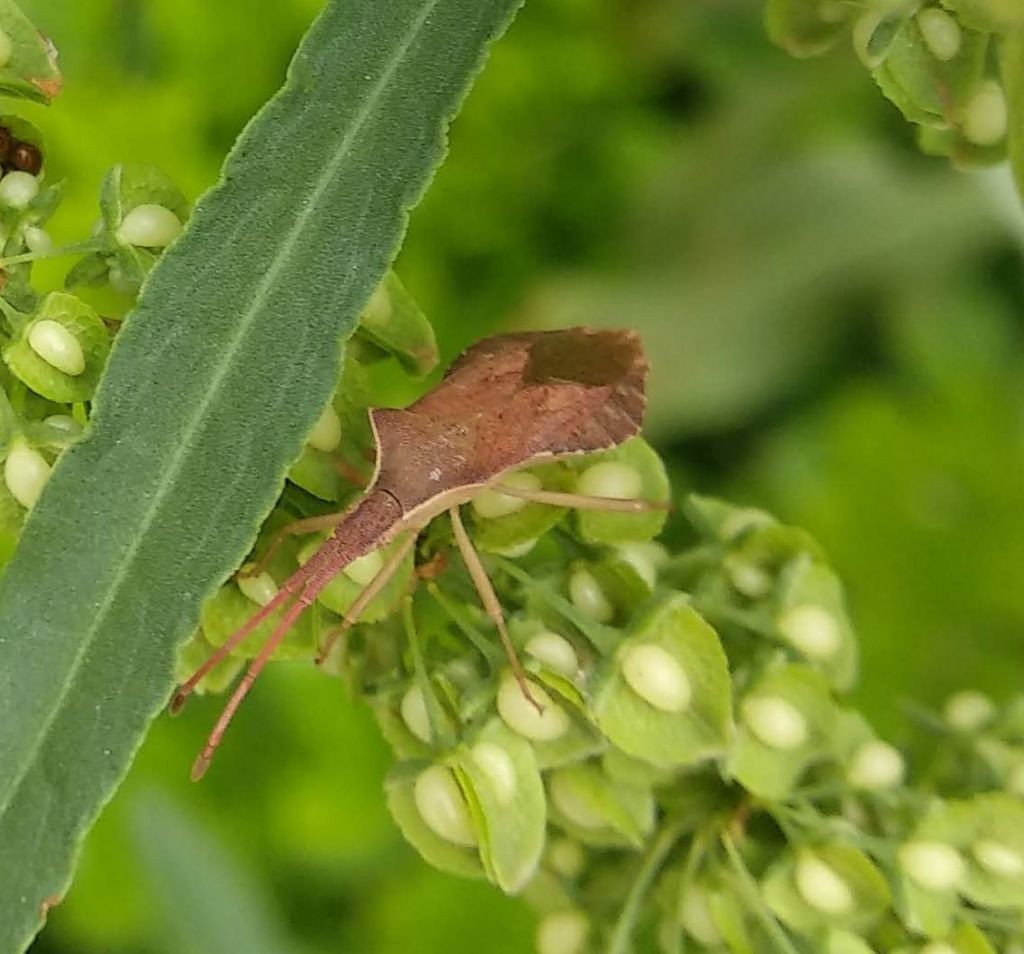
(287, 591)
(202, 762)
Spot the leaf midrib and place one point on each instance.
(260, 291)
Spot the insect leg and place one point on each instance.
(558, 498)
(327, 521)
(490, 600)
(384, 574)
(202, 762)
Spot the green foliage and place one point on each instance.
(191, 379)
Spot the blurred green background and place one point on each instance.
(835, 323)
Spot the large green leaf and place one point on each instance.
(212, 384)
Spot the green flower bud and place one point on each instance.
(517, 550)
(566, 857)
(588, 597)
(776, 722)
(326, 433)
(149, 226)
(998, 859)
(610, 479)
(442, 806)
(969, 711)
(811, 629)
(363, 569)
(655, 676)
(414, 714)
(490, 504)
(521, 715)
(934, 865)
(645, 558)
(821, 887)
(941, 33)
(566, 798)
(985, 118)
(747, 577)
(26, 473)
(499, 768)
(872, 36)
(876, 765)
(378, 309)
(64, 422)
(260, 589)
(563, 932)
(696, 919)
(1015, 782)
(555, 652)
(57, 346)
(38, 240)
(6, 49)
(18, 189)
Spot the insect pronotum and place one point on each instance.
(510, 401)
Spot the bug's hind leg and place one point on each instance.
(491, 603)
(559, 498)
(296, 528)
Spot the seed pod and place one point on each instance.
(934, 865)
(326, 433)
(25, 158)
(555, 652)
(149, 226)
(18, 189)
(491, 504)
(57, 346)
(969, 711)
(776, 722)
(521, 715)
(876, 765)
(26, 473)
(38, 240)
(821, 887)
(998, 859)
(442, 806)
(655, 676)
(563, 932)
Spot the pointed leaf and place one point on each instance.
(214, 380)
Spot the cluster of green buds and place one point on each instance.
(55, 345)
(954, 68)
(683, 774)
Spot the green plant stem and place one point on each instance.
(75, 248)
(485, 647)
(435, 711)
(753, 894)
(618, 943)
(603, 639)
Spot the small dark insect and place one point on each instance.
(25, 158)
(510, 401)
